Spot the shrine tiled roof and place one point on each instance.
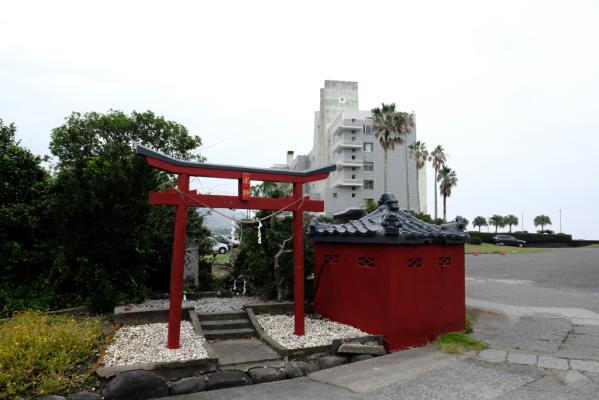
(390, 225)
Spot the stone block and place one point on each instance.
(360, 357)
(493, 355)
(362, 348)
(135, 385)
(85, 396)
(585, 365)
(266, 374)
(522, 358)
(193, 384)
(297, 369)
(331, 361)
(553, 363)
(227, 379)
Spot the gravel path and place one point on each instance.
(319, 332)
(141, 344)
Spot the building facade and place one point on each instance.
(343, 135)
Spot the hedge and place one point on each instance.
(528, 237)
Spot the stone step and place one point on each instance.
(221, 324)
(222, 334)
(222, 315)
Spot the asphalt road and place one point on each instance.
(565, 269)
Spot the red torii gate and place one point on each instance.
(182, 197)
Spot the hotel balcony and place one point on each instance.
(344, 128)
(348, 183)
(348, 144)
(349, 164)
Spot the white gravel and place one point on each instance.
(205, 304)
(224, 304)
(141, 344)
(319, 332)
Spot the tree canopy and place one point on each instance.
(542, 220)
(510, 220)
(497, 221)
(447, 179)
(390, 128)
(479, 222)
(110, 238)
(24, 187)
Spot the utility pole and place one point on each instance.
(560, 220)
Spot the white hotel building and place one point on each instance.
(343, 136)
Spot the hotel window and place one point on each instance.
(367, 129)
(368, 147)
(353, 195)
(368, 185)
(334, 195)
(368, 166)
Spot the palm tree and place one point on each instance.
(419, 152)
(390, 128)
(438, 159)
(497, 221)
(542, 220)
(510, 220)
(447, 179)
(479, 221)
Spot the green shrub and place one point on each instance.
(475, 240)
(529, 237)
(42, 354)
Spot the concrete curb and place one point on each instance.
(303, 352)
(538, 360)
(577, 316)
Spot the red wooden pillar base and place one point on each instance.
(177, 266)
(298, 263)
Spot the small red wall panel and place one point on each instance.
(408, 293)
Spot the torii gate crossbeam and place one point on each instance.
(182, 198)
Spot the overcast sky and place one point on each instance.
(509, 88)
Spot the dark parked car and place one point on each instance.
(508, 240)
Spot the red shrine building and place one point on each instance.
(391, 274)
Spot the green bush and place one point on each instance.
(528, 237)
(42, 354)
(475, 240)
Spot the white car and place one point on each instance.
(218, 247)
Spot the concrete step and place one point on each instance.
(222, 315)
(222, 334)
(220, 324)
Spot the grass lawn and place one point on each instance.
(592, 246)
(487, 248)
(219, 258)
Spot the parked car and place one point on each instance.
(508, 240)
(218, 247)
(226, 240)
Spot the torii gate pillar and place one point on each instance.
(298, 264)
